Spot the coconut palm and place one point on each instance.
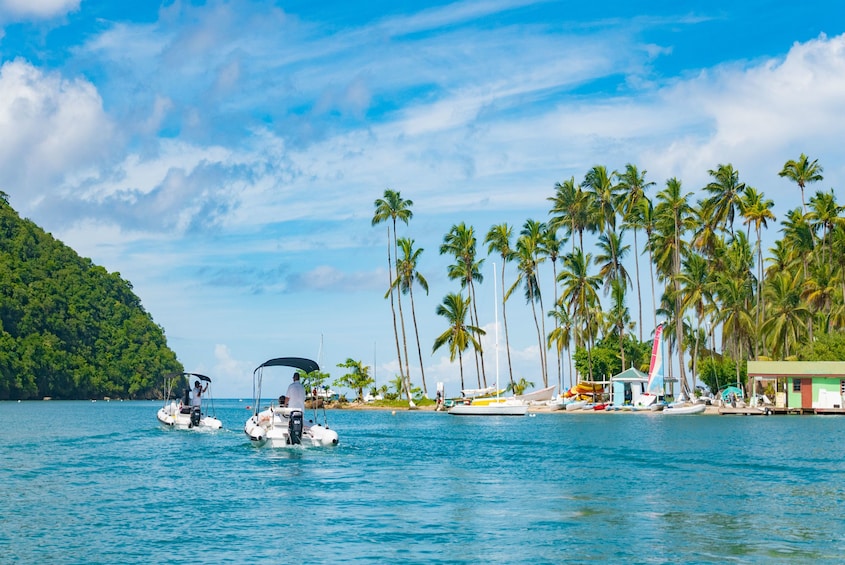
(571, 211)
(726, 192)
(674, 219)
(786, 316)
(634, 185)
(550, 246)
(579, 292)
(824, 214)
(527, 260)
(561, 337)
(757, 210)
(459, 336)
(460, 243)
(408, 275)
(498, 240)
(392, 207)
(801, 172)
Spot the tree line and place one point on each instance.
(706, 272)
(69, 329)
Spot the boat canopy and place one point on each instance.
(197, 375)
(300, 363)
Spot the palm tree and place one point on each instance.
(560, 337)
(824, 214)
(460, 243)
(459, 335)
(802, 172)
(674, 216)
(646, 214)
(551, 245)
(498, 240)
(571, 211)
(408, 274)
(579, 293)
(609, 261)
(393, 207)
(726, 191)
(634, 184)
(527, 261)
(786, 319)
(758, 211)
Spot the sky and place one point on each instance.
(224, 156)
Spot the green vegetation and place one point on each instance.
(68, 328)
(723, 300)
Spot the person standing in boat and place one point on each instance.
(196, 400)
(295, 396)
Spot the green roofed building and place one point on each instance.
(804, 386)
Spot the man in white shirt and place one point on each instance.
(295, 396)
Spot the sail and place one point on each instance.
(655, 369)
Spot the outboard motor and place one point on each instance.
(295, 427)
(195, 416)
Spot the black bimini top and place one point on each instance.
(300, 363)
(197, 375)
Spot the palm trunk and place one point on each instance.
(392, 305)
(505, 319)
(639, 293)
(477, 324)
(402, 319)
(417, 334)
(557, 328)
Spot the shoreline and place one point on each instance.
(539, 409)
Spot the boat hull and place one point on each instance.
(684, 410)
(171, 416)
(271, 428)
(501, 409)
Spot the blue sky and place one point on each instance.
(224, 156)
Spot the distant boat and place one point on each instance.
(541, 395)
(680, 408)
(182, 415)
(491, 406)
(650, 399)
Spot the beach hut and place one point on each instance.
(810, 386)
(627, 387)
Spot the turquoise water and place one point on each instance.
(100, 482)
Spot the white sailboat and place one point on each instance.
(650, 399)
(498, 405)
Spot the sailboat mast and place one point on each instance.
(496, 311)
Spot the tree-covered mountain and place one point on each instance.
(69, 329)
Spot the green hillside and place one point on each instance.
(69, 329)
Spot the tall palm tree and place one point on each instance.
(393, 207)
(551, 246)
(646, 214)
(498, 240)
(675, 214)
(610, 260)
(801, 172)
(459, 336)
(460, 242)
(824, 214)
(408, 275)
(633, 183)
(726, 192)
(579, 292)
(571, 211)
(527, 261)
(757, 210)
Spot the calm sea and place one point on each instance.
(100, 482)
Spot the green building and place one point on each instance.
(807, 386)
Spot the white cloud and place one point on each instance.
(52, 127)
(39, 9)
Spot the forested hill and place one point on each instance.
(69, 329)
